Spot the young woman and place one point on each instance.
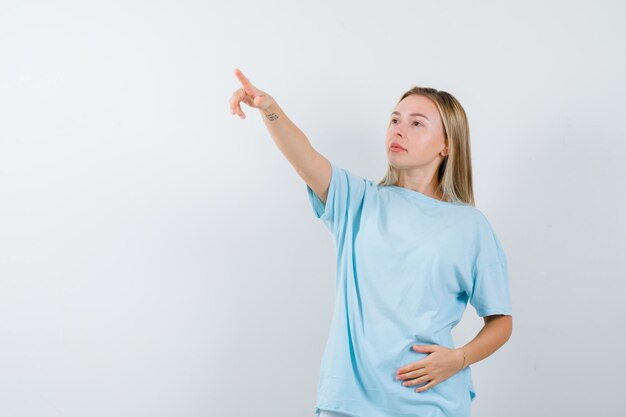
(412, 251)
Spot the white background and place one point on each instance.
(159, 256)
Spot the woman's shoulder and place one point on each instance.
(474, 216)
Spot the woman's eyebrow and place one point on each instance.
(413, 114)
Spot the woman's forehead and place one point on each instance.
(417, 104)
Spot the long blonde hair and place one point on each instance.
(455, 171)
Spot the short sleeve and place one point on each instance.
(345, 198)
(490, 275)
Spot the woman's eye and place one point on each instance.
(394, 121)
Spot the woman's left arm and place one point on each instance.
(495, 333)
(442, 362)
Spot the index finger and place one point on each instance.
(244, 81)
(413, 366)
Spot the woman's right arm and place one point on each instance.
(312, 166)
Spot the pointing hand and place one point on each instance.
(250, 95)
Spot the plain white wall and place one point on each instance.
(159, 256)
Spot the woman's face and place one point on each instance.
(416, 126)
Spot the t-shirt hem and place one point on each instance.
(355, 408)
(507, 311)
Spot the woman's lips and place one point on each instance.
(397, 148)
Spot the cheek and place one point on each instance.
(424, 146)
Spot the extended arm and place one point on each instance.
(312, 166)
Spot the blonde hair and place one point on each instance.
(455, 171)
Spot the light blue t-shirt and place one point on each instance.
(407, 265)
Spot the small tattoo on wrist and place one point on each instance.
(271, 116)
